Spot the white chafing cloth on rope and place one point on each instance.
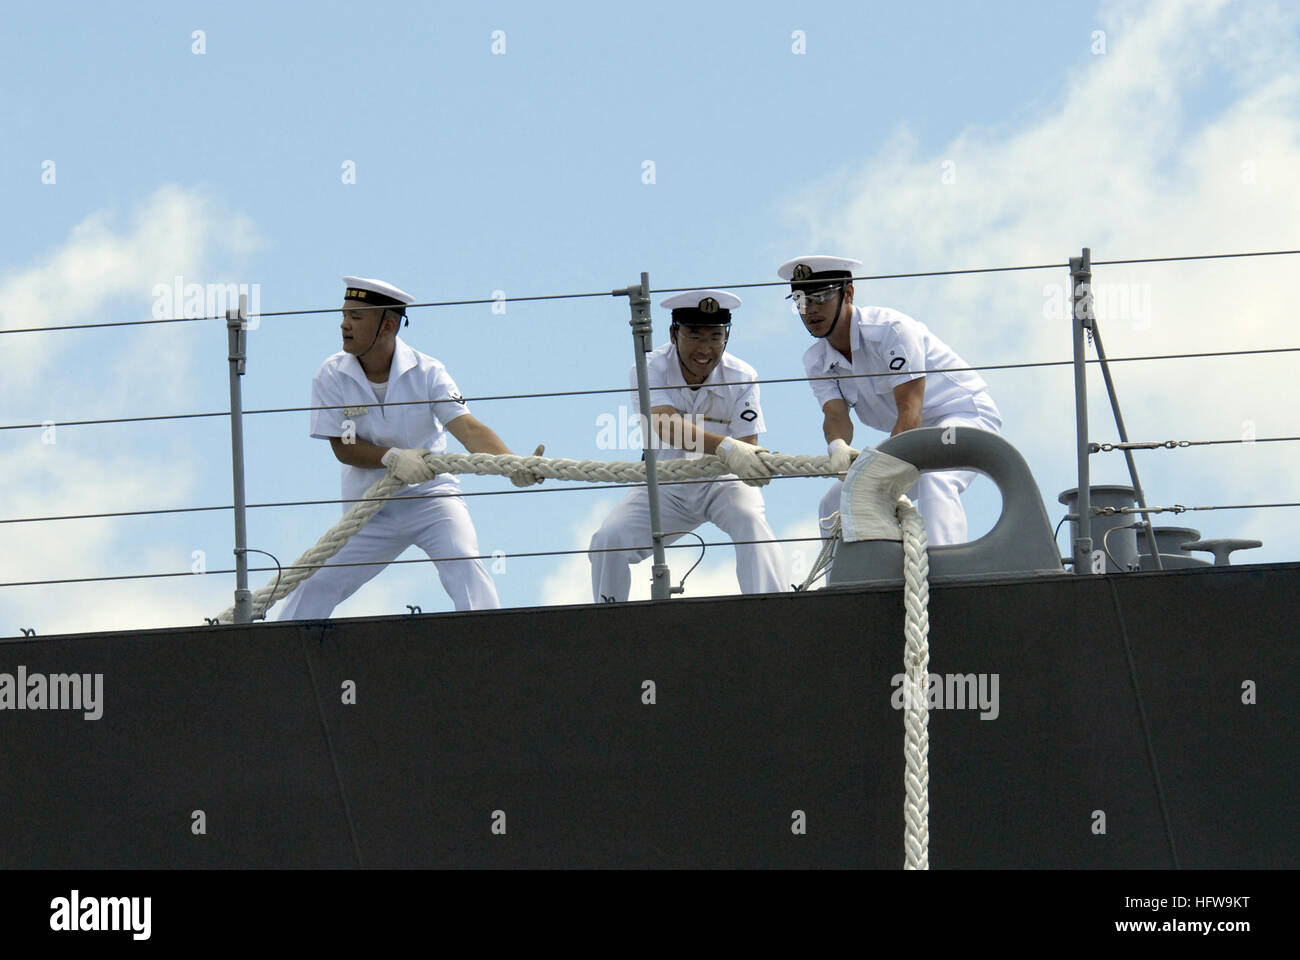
(870, 494)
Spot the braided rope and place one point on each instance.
(916, 663)
(824, 559)
(502, 464)
(331, 543)
(603, 471)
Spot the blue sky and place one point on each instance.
(914, 137)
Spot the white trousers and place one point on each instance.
(440, 526)
(937, 494)
(736, 508)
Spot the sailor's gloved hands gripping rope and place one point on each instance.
(743, 460)
(409, 467)
(523, 477)
(842, 456)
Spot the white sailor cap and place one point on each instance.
(812, 272)
(375, 292)
(702, 308)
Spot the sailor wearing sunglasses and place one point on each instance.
(897, 376)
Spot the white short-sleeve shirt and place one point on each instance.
(725, 404)
(887, 342)
(420, 399)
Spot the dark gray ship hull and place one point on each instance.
(1122, 735)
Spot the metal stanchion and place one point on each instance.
(236, 330)
(639, 300)
(1081, 321)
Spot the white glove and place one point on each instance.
(408, 465)
(743, 460)
(523, 477)
(842, 456)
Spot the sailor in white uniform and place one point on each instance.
(894, 350)
(353, 397)
(711, 406)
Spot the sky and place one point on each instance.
(459, 150)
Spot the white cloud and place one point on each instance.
(175, 232)
(57, 479)
(102, 273)
(1130, 163)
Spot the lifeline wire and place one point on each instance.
(381, 563)
(1100, 511)
(1094, 447)
(419, 496)
(579, 393)
(1179, 508)
(1175, 444)
(607, 293)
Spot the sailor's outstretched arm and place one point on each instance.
(678, 431)
(478, 437)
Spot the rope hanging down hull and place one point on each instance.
(916, 567)
(916, 664)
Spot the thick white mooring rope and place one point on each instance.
(596, 471)
(916, 663)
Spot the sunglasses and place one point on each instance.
(803, 297)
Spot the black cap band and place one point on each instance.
(370, 297)
(826, 279)
(695, 317)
